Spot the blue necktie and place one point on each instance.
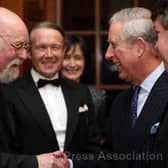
(134, 102)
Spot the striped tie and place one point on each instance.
(134, 102)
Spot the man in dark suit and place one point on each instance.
(160, 20)
(49, 113)
(14, 43)
(135, 122)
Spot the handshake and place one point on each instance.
(57, 159)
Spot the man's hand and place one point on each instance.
(62, 160)
(53, 160)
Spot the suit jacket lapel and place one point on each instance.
(121, 121)
(153, 110)
(33, 102)
(71, 102)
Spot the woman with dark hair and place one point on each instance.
(73, 68)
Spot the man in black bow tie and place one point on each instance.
(45, 117)
(43, 82)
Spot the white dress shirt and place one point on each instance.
(54, 102)
(146, 87)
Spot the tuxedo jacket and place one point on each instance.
(30, 128)
(131, 147)
(7, 158)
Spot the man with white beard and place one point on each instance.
(14, 44)
(9, 74)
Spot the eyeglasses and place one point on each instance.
(18, 45)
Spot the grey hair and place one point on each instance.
(136, 23)
(49, 25)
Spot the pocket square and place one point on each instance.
(83, 108)
(154, 128)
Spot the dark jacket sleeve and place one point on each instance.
(17, 161)
(7, 157)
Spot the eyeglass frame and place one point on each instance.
(18, 45)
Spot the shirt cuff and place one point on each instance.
(70, 163)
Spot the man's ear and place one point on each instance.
(141, 46)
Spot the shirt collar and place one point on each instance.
(148, 83)
(36, 76)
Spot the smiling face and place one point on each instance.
(12, 33)
(121, 53)
(74, 63)
(47, 51)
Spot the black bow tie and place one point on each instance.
(43, 82)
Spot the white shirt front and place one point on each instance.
(54, 102)
(146, 87)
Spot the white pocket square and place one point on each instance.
(83, 108)
(154, 128)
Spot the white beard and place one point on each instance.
(11, 72)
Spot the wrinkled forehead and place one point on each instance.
(46, 36)
(115, 31)
(16, 36)
(12, 25)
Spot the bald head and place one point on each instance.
(13, 32)
(10, 22)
